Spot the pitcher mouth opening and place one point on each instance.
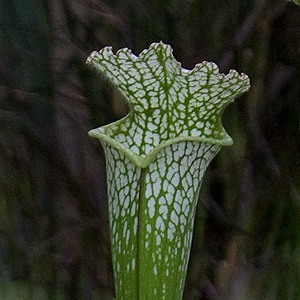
(143, 161)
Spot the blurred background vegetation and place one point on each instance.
(54, 241)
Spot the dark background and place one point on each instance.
(54, 241)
